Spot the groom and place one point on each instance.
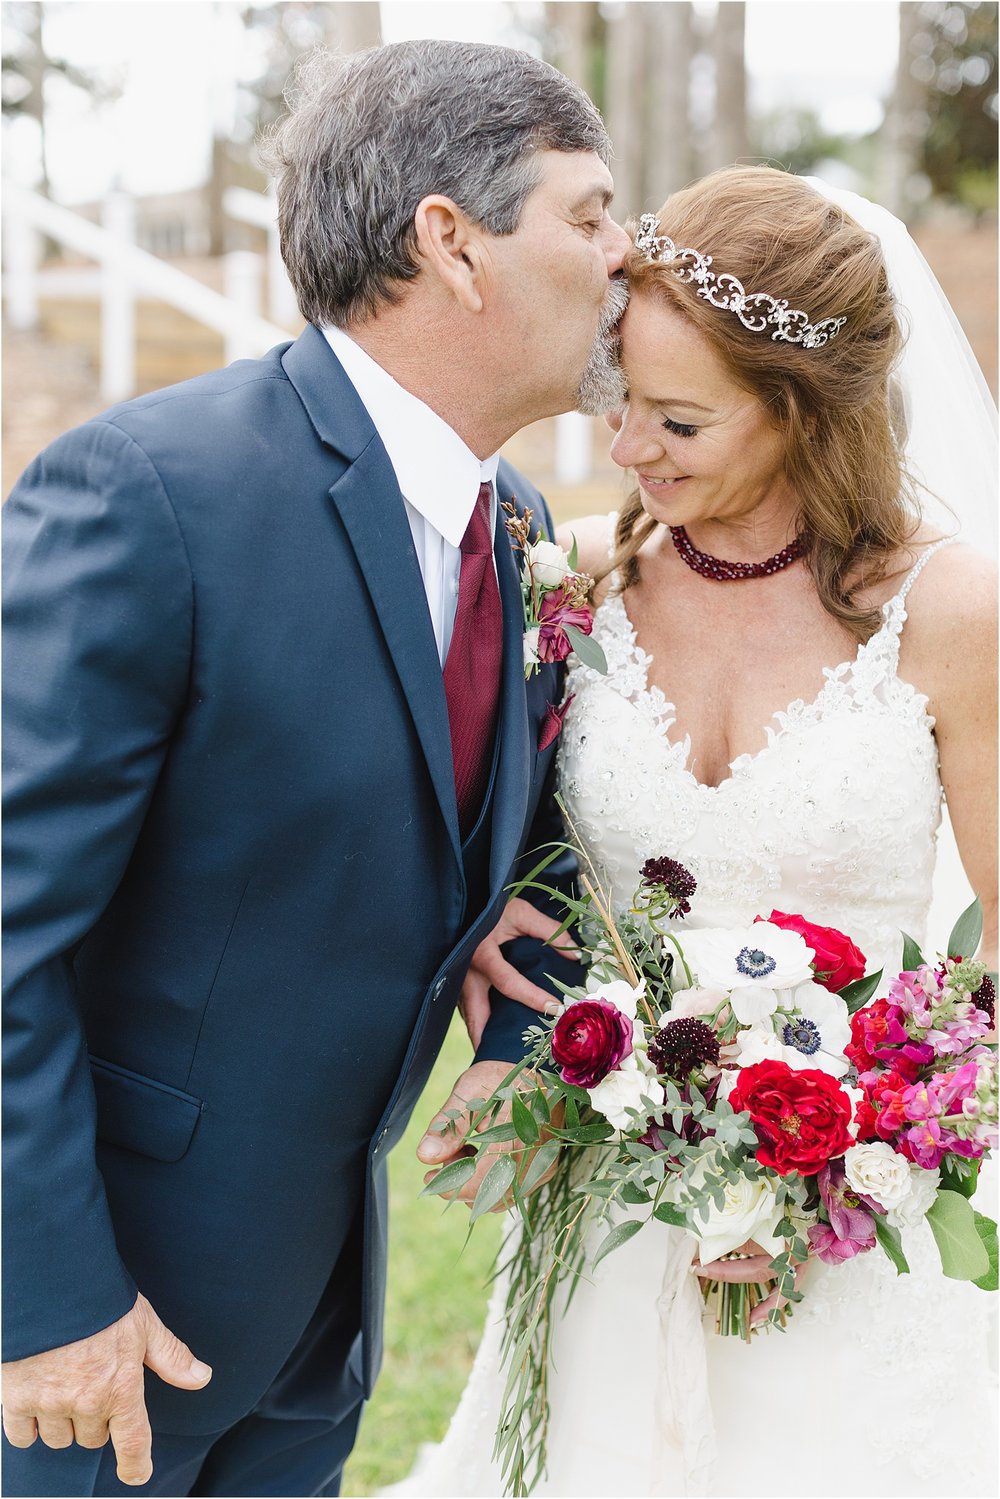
(271, 760)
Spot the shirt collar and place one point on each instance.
(437, 473)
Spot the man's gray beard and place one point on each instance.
(602, 384)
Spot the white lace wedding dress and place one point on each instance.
(881, 1384)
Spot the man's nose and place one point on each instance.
(617, 247)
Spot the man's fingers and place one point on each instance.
(522, 919)
(56, 1431)
(133, 1444)
(89, 1431)
(20, 1431)
(474, 1003)
(506, 978)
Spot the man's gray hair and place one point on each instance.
(372, 133)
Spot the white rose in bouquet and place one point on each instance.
(877, 1171)
(619, 1096)
(547, 563)
(750, 1211)
(913, 1208)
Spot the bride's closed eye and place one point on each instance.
(681, 429)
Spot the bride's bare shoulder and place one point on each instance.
(593, 535)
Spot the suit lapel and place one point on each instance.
(511, 788)
(368, 501)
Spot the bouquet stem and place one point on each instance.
(732, 1302)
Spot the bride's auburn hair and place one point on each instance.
(833, 405)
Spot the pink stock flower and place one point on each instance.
(924, 1143)
(833, 1251)
(557, 610)
(914, 992)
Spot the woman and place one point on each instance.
(798, 666)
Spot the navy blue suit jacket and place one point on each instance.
(238, 919)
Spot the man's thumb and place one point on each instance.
(445, 1134)
(171, 1359)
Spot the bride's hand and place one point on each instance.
(447, 1135)
(755, 1266)
(489, 967)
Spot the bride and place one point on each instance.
(799, 666)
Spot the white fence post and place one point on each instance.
(574, 448)
(117, 302)
(22, 253)
(242, 285)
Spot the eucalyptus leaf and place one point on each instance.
(963, 1253)
(574, 554)
(494, 1186)
(523, 1121)
(634, 1194)
(912, 956)
(966, 932)
(987, 1231)
(545, 1156)
(860, 992)
(619, 1235)
(587, 649)
(451, 1178)
(668, 1212)
(890, 1240)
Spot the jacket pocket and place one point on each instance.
(142, 1114)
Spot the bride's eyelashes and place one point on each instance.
(680, 429)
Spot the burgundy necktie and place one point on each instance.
(472, 667)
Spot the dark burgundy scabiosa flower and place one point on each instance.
(673, 879)
(683, 1046)
(985, 998)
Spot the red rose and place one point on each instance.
(838, 962)
(589, 1040)
(800, 1117)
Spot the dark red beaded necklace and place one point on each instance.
(731, 572)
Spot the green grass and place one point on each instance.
(435, 1306)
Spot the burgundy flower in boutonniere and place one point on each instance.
(552, 723)
(558, 617)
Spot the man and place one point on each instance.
(272, 759)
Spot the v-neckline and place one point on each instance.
(663, 709)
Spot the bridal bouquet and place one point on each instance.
(737, 1084)
(558, 615)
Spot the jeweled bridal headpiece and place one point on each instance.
(756, 310)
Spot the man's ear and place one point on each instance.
(451, 247)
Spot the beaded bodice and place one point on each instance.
(834, 818)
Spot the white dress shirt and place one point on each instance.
(438, 475)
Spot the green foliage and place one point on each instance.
(967, 932)
(890, 1240)
(963, 1254)
(987, 1231)
(955, 56)
(856, 995)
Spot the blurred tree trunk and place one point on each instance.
(569, 29)
(900, 139)
(626, 105)
(668, 160)
(356, 24)
(729, 131)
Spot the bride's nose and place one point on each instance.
(635, 443)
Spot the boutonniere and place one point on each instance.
(558, 616)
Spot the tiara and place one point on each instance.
(756, 310)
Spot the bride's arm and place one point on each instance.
(949, 648)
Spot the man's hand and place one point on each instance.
(490, 967)
(91, 1390)
(439, 1146)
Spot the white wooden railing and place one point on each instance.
(123, 272)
